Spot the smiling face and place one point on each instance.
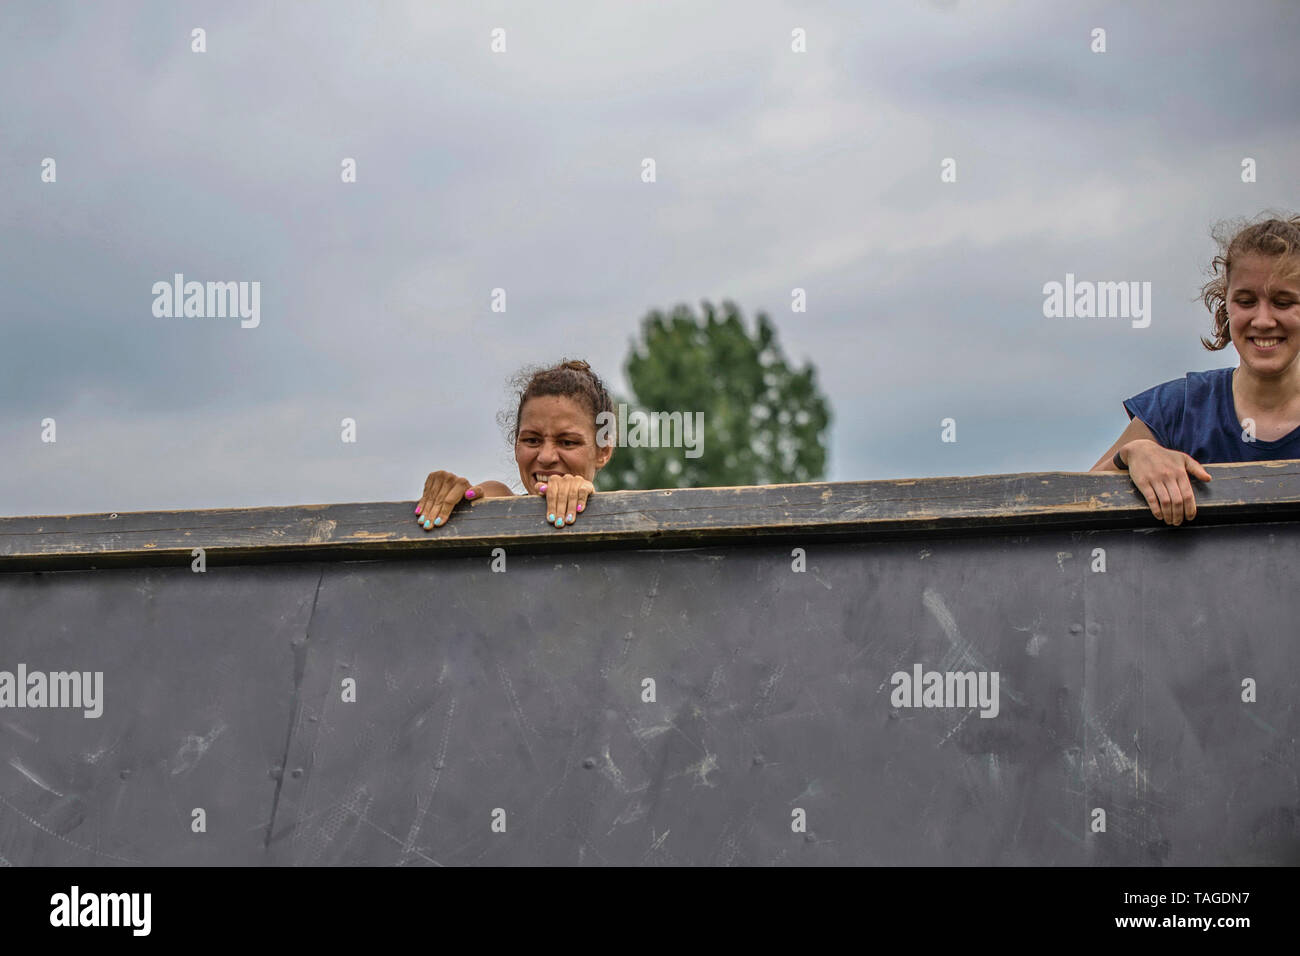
(557, 436)
(1264, 314)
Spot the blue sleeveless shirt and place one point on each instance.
(1197, 416)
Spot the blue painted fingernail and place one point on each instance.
(438, 520)
(427, 524)
(570, 518)
(550, 517)
(559, 523)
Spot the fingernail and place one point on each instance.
(559, 523)
(427, 524)
(438, 520)
(580, 507)
(550, 517)
(570, 518)
(541, 487)
(470, 493)
(417, 509)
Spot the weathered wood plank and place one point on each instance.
(669, 518)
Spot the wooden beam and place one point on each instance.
(692, 517)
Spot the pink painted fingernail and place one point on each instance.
(541, 487)
(580, 507)
(470, 493)
(417, 509)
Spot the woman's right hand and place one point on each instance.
(1160, 474)
(443, 491)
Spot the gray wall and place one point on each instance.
(522, 691)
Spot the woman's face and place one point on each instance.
(1263, 314)
(557, 436)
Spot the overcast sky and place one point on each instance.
(522, 170)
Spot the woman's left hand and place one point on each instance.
(566, 498)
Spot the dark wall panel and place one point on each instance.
(522, 691)
(198, 681)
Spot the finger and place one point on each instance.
(562, 505)
(1161, 510)
(474, 493)
(1197, 470)
(552, 493)
(1152, 501)
(583, 494)
(1189, 498)
(1174, 507)
(1166, 509)
(558, 491)
(453, 494)
(422, 502)
(570, 501)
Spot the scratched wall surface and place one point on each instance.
(517, 696)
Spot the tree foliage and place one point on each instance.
(764, 422)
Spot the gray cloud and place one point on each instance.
(476, 171)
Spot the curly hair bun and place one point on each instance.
(572, 378)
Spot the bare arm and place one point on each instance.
(1136, 431)
(496, 489)
(1160, 474)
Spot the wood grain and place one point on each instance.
(693, 517)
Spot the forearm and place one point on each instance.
(1107, 464)
(1125, 452)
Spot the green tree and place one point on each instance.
(764, 422)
